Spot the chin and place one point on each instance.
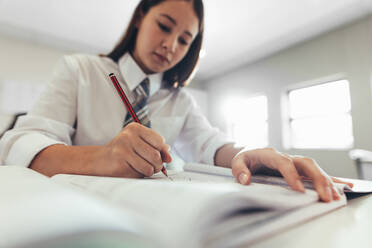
(158, 69)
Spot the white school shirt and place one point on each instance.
(81, 91)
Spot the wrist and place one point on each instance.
(93, 160)
(225, 154)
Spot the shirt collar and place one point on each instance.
(133, 74)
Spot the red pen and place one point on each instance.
(129, 106)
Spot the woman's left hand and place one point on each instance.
(292, 168)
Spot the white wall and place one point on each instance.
(24, 68)
(347, 51)
(22, 60)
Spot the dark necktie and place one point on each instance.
(140, 95)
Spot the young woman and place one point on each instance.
(76, 126)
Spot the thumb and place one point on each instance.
(240, 171)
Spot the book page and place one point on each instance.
(244, 229)
(360, 186)
(183, 201)
(211, 203)
(35, 209)
(182, 212)
(172, 206)
(260, 187)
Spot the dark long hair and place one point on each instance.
(178, 75)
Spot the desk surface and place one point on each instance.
(349, 226)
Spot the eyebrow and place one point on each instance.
(175, 23)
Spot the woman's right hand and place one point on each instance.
(137, 151)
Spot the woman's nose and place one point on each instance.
(170, 43)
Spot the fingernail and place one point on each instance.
(337, 193)
(336, 197)
(243, 178)
(339, 190)
(329, 193)
(300, 186)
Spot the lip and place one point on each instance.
(161, 58)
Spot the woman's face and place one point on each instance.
(165, 35)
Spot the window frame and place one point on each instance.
(286, 113)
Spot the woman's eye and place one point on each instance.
(164, 28)
(183, 41)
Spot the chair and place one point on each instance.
(363, 162)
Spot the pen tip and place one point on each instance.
(164, 171)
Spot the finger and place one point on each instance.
(140, 165)
(322, 183)
(287, 168)
(157, 141)
(280, 162)
(324, 192)
(151, 137)
(130, 172)
(335, 194)
(305, 178)
(336, 180)
(148, 153)
(240, 171)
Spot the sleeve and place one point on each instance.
(49, 122)
(198, 140)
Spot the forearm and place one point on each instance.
(225, 154)
(58, 159)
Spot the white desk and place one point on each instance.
(347, 227)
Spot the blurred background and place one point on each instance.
(294, 75)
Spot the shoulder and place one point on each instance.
(87, 61)
(86, 65)
(184, 95)
(182, 99)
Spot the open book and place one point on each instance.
(203, 172)
(197, 207)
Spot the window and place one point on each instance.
(246, 120)
(320, 116)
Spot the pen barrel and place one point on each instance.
(128, 106)
(124, 97)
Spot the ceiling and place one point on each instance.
(236, 31)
